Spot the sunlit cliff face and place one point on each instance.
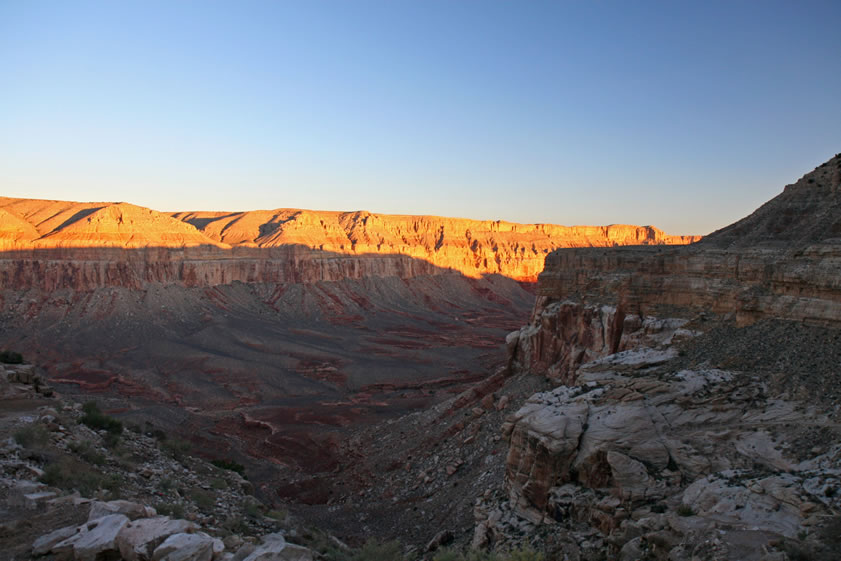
(434, 245)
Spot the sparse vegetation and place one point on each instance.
(522, 554)
(32, 435)
(218, 483)
(11, 357)
(229, 465)
(175, 447)
(97, 420)
(86, 450)
(71, 474)
(235, 525)
(379, 551)
(253, 510)
(685, 510)
(279, 515)
(203, 499)
(173, 510)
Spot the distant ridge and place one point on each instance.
(473, 247)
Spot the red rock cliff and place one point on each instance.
(54, 244)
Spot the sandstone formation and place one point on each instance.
(780, 262)
(56, 244)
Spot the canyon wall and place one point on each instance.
(58, 244)
(695, 400)
(781, 262)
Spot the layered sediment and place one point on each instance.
(681, 426)
(57, 244)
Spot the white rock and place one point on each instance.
(275, 548)
(34, 500)
(127, 508)
(45, 543)
(137, 540)
(94, 538)
(185, 547)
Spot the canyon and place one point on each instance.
(269, 336)
(671, 400)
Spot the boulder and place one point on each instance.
(132, 510)
(138, 539)
(45, 543)
(276, 548)
(187, 547)
(95, 539)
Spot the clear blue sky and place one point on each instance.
(685, 115)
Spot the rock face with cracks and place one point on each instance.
(658, 445)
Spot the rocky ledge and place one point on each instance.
(640, 457)
(697, 412)
(72, 492)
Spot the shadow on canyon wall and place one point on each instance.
(255, 354)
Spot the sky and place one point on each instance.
(683, 115)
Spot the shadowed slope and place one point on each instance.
(806, 212)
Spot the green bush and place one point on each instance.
(176, 448)
(218, 483)
(525, 554)
(173, 510)
(85, 450)
(203, 499)
(11, 357)
(229, 465)
(253, 510)
(71, 474)
(376, 551)
(31, 435)
(685, 510)
(97, 420)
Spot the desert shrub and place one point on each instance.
(32, 435)
(235, 525)
(70, 474)
(175, 447)
(218, 483)
(97, 420)
(377, 551)
(203, 499)
(253, 510)
(280, 515)
(173, 510)
(685, 510)
(524, 554)
(448, 555)
(85, 450)
(229, 465)
(11, 357)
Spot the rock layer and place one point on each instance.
(52, 244)
(649, 455)
(780, 262)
